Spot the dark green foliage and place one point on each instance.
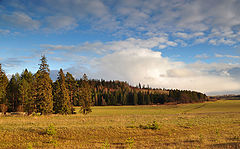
(120, 93)
(3, 86)
(13, 94)
(26, 92)
(71, 85)
(135, 98)
(85, 96)
(44, 97)
(61, 98)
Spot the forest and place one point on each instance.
(37, 93)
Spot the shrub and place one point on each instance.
(51, 130)
(130, 142)
(106, 145)
(36, 114)
(154, 126)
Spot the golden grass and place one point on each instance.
(201, 125)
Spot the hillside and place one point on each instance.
(121, 93)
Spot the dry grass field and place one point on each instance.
(201, 125)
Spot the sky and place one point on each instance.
(183, 44)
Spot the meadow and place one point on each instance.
(201, 125)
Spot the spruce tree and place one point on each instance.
(71, 85)
(3, 86)
(61, 98)
(135, 98)
(43, 86)
(85, 96)
(12, 93)
(26, 92)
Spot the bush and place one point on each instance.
(130, 142)
(154, 126)
(51, 130)
(36, 114)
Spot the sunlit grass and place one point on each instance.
(201, 125)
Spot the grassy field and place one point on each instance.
(201, 125)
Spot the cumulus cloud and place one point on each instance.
(150, 67)
(133, 60)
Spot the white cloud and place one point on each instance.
(188, 36)
(227, 56)
(200, 40)
(133, 60)
(4, 31)
(61, 22)
(213, 41)
(214, 20)
(20, 19)
(202, 56)
(103, 48)
(149, 67)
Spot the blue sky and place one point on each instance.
(185, 44)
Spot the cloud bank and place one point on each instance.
(135, 61)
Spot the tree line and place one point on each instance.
(38, 93)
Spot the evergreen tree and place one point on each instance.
(44, 98)
(26, 92)
(135, 98)
(71, 85)
(12, 93)
(3, 86)
(61, 98)
(85, 96)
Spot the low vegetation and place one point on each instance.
(200, 125)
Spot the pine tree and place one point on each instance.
(135, 98)
(71, 85)
(85, 96)
(3, 86)
(26, 92)
(61, 98)
(12, 93)
(44, 98)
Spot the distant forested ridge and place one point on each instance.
(30, 93)
(121, 93)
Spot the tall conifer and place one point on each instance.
(71, 85)
(61, 98)
(26, 92)
(44, 98)
(12, 93)
(3, 86)
(85, 96)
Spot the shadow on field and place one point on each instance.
(233, 145)
(39, 131)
